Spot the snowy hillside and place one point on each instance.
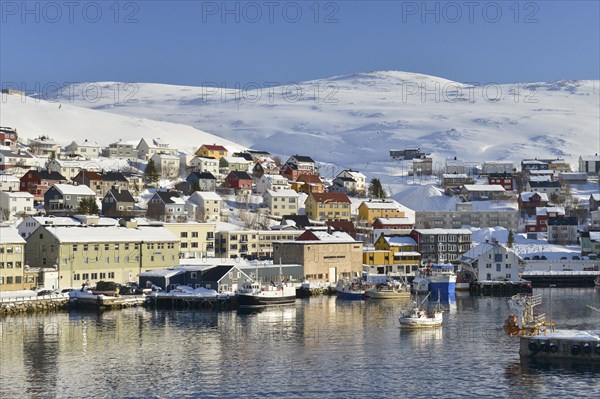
(352, 121)
(67, 122)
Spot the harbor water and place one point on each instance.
(320, 347)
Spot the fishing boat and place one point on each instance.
(347, 289)
(420, 317)
(253, 294)
(435, 278)
(540, 340)
(388, 291)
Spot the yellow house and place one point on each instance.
(12, 262)
(211, 151)
(372, 209)
(328, 206)
(393, 254)
(559, 165)
(377, 257)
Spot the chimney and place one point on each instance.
(120, 187)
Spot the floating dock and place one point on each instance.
(562, 344)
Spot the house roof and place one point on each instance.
(330, 197)
(68, 189)
(17, 194)
(240, 175)
(16, 154)
(301, 221)
(168, 197)
(9, 178)
(245, 155)
(165, 273)
(342, 225)
(544, 210)
(393, 221)
(216, 273)
(208, 195)
(595, 197)
(324, 236)
(443, 231)
(354, 173)
(400, 240)
(455, 176)
(10, 235)
(309, 178)
(86, 143)
(201, 176)
(45, 175)
(289, 193)
(122, 196)
(214, 147)
(526, 196)
(302, 158)
(540, 184)
(165, 156)
(343, 178)
(240, 160)
(484, 187)
(381, 204)
(102, 234)
(590, 158)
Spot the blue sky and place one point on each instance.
(195, 42)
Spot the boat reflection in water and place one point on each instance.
(447, 300)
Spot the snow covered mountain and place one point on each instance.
(65, 122)
(353, 121)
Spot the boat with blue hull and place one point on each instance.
(353, 290)
(437, 279)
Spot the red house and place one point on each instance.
(8, 137)
(289, 171)
(541, 218)
(37, 182)
(530, 200)
(240, 181)
(503, 179)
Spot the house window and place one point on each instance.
(498, 267)
(184, 234)
(111, 274)
(194, 275)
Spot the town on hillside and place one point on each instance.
(89, 212)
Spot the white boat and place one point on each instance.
(419, 317)
(388, 291)
(253, 294)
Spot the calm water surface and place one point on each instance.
(320, 348)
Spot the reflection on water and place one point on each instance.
(319, 347)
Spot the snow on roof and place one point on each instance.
(209, 195)
(400, 240)
(86, 143)
(17, 194)
(389, 221)
(543, 172)
(443, 231)
(544, 210)
(165, 156)
(10, 235)
(590, 158)
(526, 196)
(334, 237)
(484, 187)
(282, 193)
(387, 204)
(540, 178)
(455, 176)
(166, 273)
(55, 220)
(102, 234)
(9, 178)
(68, 189)
(596, 196)
(236, 160)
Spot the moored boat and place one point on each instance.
(388, 291)
(346, 289)
(252, 294)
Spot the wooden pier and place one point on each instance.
(101, 302)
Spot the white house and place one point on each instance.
(204, 206)
(203, 164)
(148, 147)
(358, 182)
(18, 159)
(9, 183)
(167, 165)
(589, 164)
(281, 202)
(87, 149)
(492, 261)
(497, 167)
(270, 182)
(14, 204)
